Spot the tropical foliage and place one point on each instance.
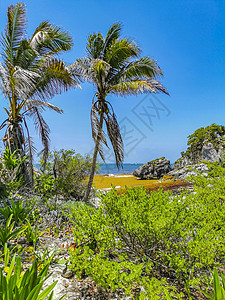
(114, 66)
(30, 74)
(65, 175)
(178, 239)
(19, 285)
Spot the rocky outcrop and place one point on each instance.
(190, 170)
(153, 169)
(208, 152)
(193, 162)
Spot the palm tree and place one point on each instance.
(30, 74)
(113, 64)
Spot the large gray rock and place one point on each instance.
(186, 171)
(153, 169)
(207, 153)
(210, 153)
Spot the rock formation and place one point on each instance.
(205, 144)
(153, 169)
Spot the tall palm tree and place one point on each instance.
(113, 64)
(30, 74)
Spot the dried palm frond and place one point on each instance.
(114, 135)
(43, 129)
(97, 131)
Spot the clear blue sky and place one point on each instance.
(186, 37)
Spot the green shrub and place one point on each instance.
(210, 134)
(64, 175)
(169, 238)
(11, 172)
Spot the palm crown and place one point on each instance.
(113, 64)
(30, 74)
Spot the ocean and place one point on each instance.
(112, 169)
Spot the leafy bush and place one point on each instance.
(64, 175)
(158, 236)
(211, 134)
(11, 175)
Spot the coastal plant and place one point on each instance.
(44, 185)
(216, 287)
(20, 285)
(7, 231)
(170, 237)
(11, 172)
(18, 210)
(218, 282)
(32, 234)
(64, 175)
(114, 66)
(31, 74)
(44, 257)
(98, 253)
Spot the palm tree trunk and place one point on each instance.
(94, 159)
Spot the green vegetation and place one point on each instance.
(114, 66)
(141, 239)
(64, 175)
(31, 74)
(19, 285)
(146, 244)
(7, 232)
(18, 210)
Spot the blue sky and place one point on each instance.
(186, 37)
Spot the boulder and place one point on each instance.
(153, 169)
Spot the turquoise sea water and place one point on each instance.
(112, 168)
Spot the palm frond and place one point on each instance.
(145, 67)
(112, 35)
(120, 52)
(95, 45)
(97, 130)
(114, 135)
(24, 82)
(50, 39)
(81, 69)
(25, 56)
(29, 104)
(55, 79)
(30, 150)
(15, 30)
(135, 87)
(43, 129)
(4, 81)
(99, 70)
